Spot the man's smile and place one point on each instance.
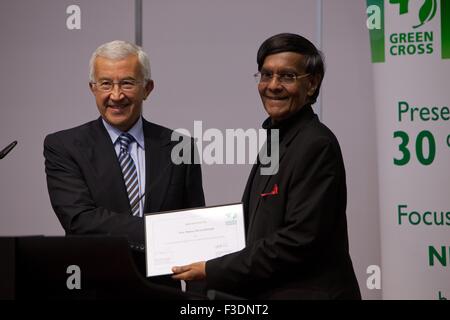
(276, 98)
(118, 106)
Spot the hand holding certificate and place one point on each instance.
(181, 237)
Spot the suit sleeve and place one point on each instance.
(314, 191)
(73, 203)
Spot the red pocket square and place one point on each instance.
(271, 193)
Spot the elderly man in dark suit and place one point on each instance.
(104, 175)
(296, 229)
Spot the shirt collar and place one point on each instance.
(137, 131)
(286, 125)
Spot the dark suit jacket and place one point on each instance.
(297, 243)
(86, 185)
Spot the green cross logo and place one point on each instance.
(426, 12)
(404, 5)
(413, 42)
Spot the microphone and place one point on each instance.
(8, 148)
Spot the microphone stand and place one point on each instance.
(7, 149)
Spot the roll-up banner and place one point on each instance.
(410, 42)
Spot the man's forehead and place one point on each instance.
(132, 58)
(129, 65)
(284, 60)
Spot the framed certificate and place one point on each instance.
(177, 238)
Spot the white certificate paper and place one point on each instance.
(177, 238)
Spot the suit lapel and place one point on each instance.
(255, 198)
(158, 166)
(101, 155)
(246, 198)
(261, 185)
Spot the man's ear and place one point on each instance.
(91, 86)
(149, 88)
(314, 84)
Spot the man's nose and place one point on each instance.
(274, 83)
(116, 92)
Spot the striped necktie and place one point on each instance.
(129, 172)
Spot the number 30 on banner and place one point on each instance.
(406, 153)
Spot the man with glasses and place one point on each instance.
(104, 175)
(296, 229)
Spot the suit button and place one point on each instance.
(142, 248)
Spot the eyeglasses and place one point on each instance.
(128, 85)
(283, 78)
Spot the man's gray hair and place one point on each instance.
(118, 50)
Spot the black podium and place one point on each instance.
(41, 267)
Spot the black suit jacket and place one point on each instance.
(86, 185)
(297, 243)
